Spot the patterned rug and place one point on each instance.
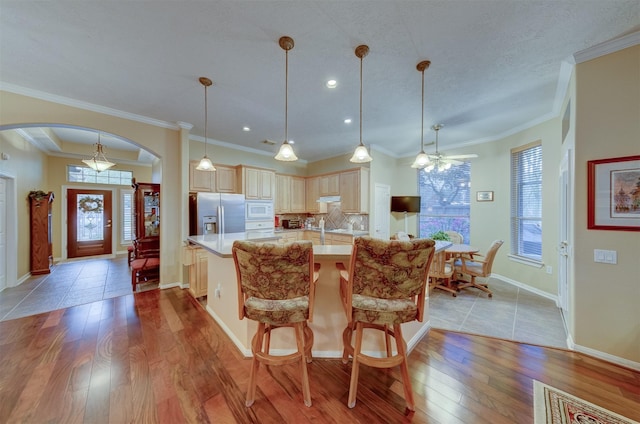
(553, 406)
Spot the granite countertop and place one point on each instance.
(354, 233)
(220, 244)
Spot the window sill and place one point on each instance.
(526, 261)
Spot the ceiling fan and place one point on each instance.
(440, 162)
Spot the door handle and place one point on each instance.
(108, 223)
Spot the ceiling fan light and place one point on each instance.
(286, 153)
(421, 161)
(361, 155)
(205, 165)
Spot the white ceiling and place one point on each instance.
(496, 64)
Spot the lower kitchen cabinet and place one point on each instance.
(196, 259)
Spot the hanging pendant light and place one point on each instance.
(205, 163)
(361, 154)
(286, 151)
(99, 161)
(422, 160)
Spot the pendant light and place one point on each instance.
(361, 155)
(99, 161)
(205, 163)
(422, 159)
(286, 151)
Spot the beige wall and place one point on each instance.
(607, 297)
(27, 167)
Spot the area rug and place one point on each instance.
(553, 406)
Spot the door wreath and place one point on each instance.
(90, 204)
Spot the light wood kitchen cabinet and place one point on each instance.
(344, 239)
(222, 180)
(290, 194)
(195, 258)
(314, 236)
(329, 185)
(257, 183)
(312, 192)
(288, 236)
(354, 191)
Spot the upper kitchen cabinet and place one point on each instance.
(222, 180)
(257, 183)
(354, 191)
(290, 194)
(329, 185)
(312, 192)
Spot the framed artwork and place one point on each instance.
(484, 196)
(613, 194)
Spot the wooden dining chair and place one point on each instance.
(384, 287)
(479, 266)
(441, 273)
(276, 288)
(454, 237)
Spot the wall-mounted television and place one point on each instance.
(405, 204)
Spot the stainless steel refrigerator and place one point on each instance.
(216, 213)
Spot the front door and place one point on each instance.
(89, 219)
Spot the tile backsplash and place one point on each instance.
(334, 218)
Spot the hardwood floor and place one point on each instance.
(157, 356)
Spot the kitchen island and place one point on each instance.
(329, 319)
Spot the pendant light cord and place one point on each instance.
(361, 101)
(422, 122)
(286, 96)
(206, 114)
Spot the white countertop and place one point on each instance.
(220, 244)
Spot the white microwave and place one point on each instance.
(259, 210)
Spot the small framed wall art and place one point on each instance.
(613, 194)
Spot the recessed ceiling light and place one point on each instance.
(332, 83)
(246, 129)
(347, 121)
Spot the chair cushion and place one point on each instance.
(474, 267)
(277, 312)
(383, 311)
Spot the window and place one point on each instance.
(126, 216)
(445, 201)
(526, 201)
(84, 174)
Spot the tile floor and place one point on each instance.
(511, 313)
(69, 284)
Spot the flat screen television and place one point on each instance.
(405, 204)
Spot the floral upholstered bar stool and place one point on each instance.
(276, 288)
(385, 286)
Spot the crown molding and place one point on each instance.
(12, 88)
(607, 47)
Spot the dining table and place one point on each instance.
(457, 250)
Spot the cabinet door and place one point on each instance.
(297, 200)
(266, 184)
(252, 183)
(330, 185)
(200, 180)
(258, 184)
(342, 239)
(312, 188)
(350, 191)
(225, 177)
(282, 193)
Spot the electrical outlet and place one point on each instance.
(549, 270)
(218, 291)
(605, 256)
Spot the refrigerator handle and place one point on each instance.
(221, 228)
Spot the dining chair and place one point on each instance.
(145, 265)
(276, 288)
(441, 273)
(454, 237)
(477, 267)
(384, 287)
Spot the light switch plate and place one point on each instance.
(605, 256)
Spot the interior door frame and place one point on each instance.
(11, 248)
(63, 217)
(564, 233)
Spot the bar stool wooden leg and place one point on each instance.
(306, 392)
(404, 369)
(355, 367)
(387, 339)
(257, 346)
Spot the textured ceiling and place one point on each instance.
(495, 64)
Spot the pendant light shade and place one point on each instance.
(422, 160)
(99, 161)
(361, 154)
(286, 151)
(205, 163)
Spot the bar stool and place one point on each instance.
(384, 287)
(276, 288)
